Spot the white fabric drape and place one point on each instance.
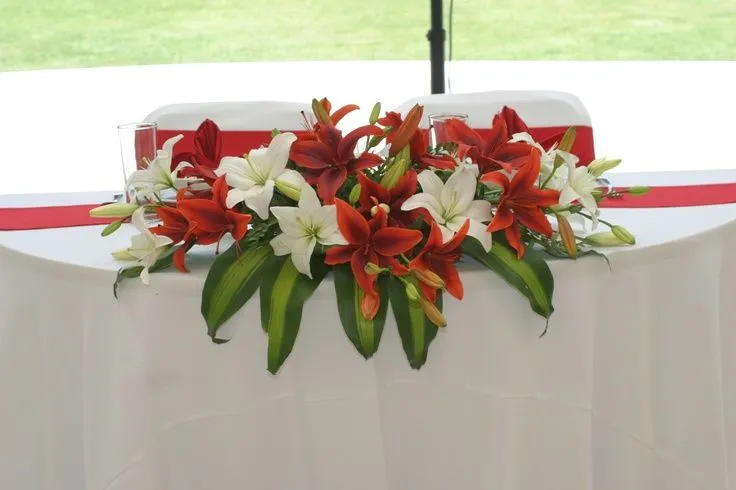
(633, 387)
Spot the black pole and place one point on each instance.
(436, 37)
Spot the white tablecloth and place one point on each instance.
(633, 387)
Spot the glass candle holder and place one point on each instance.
(437, 126)
(137, 149)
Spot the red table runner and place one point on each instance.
(676, 196)
(49, 217)
(658, 197)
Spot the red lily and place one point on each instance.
(407, 131)
(200, 221)
(174, 224)
(440, 258)
(521, 202)
(369, 241)
(176, 227)
(210, 219)
(493, 153)
(206, 155)
(372, 194)
(330, 157)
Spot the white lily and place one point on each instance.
(253, 178)
(145, 247)
(158, 175)
(451, 203)
(304, 227)
(579, 187)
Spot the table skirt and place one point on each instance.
(632, 388)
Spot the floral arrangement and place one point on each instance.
(389, 215)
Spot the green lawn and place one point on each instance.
(81, 33)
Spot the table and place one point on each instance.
(633, 387)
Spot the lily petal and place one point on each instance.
(431, 184)
(568, 195)
(479, 210)
(352, 224)
(258, 198)
(311, 154)
(308, 200)
(282, 244)
(278, 152)
(426, 201)
(235, 196)
(168, 146)
(234, 170)
(301, 254)
(476, 230)
(458, 192)
(289, 220)
(391, 241)
(329, 182)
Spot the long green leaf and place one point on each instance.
(233, 278)
(364, 334)
(530, 275)
(284, 290)
(415, 329)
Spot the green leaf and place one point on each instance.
(232, 280)
(530, 275)
(364, 334)
(415, 329)
(164, 262)
(284, 290)
(111, 228)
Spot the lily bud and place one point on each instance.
(111, 228)
(123, 255)
(406, 130)
(397, 169)
(375, 140)
(568, 139)
(567, 236)
(373, 119)
(354, 194)
(638, 190)
(114, 210)
(369, 306)
(623, 234)
(429, 278)
(374, 209)
(373, 269)
(320, 113)
(596, 168)
(433, 313)
(290, 190)
(275, 132)
(604, 239)
(412, 293)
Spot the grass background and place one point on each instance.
(84, 33)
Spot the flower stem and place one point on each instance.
(555, 166)
(610, 225)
